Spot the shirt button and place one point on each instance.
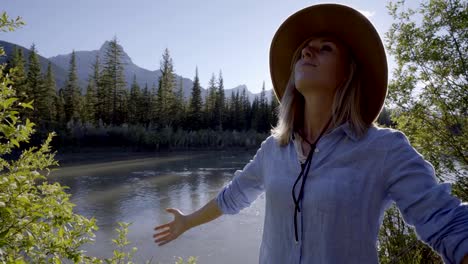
(316, 150)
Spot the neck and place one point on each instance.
(317, 113)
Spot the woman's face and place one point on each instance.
(322, 66)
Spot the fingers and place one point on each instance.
(162, 233)
(164, 240)
(162, 244)
(162, 226)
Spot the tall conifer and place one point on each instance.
(133, 102)
(34, 84)
(113, 83)
(49, 97)
(195, 111)
(71, 92)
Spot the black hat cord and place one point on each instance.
(305, 166)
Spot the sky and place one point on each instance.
(213, 35)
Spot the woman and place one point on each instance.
(328, 174)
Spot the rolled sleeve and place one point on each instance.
(440, 219)
(245, 187)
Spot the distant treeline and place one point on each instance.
(109, 106)
(112, 113)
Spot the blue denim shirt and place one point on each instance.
(350, 184)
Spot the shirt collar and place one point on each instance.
(345, 128)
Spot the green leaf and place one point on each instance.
(15, 142)
(7, 103)
(27, 105)
(4, 233)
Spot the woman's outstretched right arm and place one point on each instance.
(181, 223)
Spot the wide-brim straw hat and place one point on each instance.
(349, 26)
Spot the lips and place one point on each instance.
(308, 63)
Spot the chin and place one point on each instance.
(312, 87)
(308, 85)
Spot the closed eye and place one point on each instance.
(326, 48)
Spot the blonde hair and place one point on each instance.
(345, 107)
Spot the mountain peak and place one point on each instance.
(240, 88)
(125, 58)
(105, 45)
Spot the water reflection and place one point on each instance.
(138, 191)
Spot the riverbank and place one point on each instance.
(137, 138)
(83, 156)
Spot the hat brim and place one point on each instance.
(351, 27)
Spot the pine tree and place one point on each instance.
(245, 111)
(231, 120)
(91, 98)
(101, 93)
(113, 84)
(228, 123)
(255, 122)
(179, 105)
(123, 107)
(263, 122)
(155, 105)
(236, 112)
(195, 111)
(219, 109)
(210, 103)
(34, 85)
(60, 113)
(71, 92)
(144, 108)
(166, 97)
(263, 100)
(134, 101)
(18, 73)
(50, 96)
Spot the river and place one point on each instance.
(139, 190)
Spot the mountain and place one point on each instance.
(85, 60)
(59, 71)
(250, 95)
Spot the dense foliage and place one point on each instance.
(429, 97)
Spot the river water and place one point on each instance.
(139, 190)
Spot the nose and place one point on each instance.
(307, 51)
